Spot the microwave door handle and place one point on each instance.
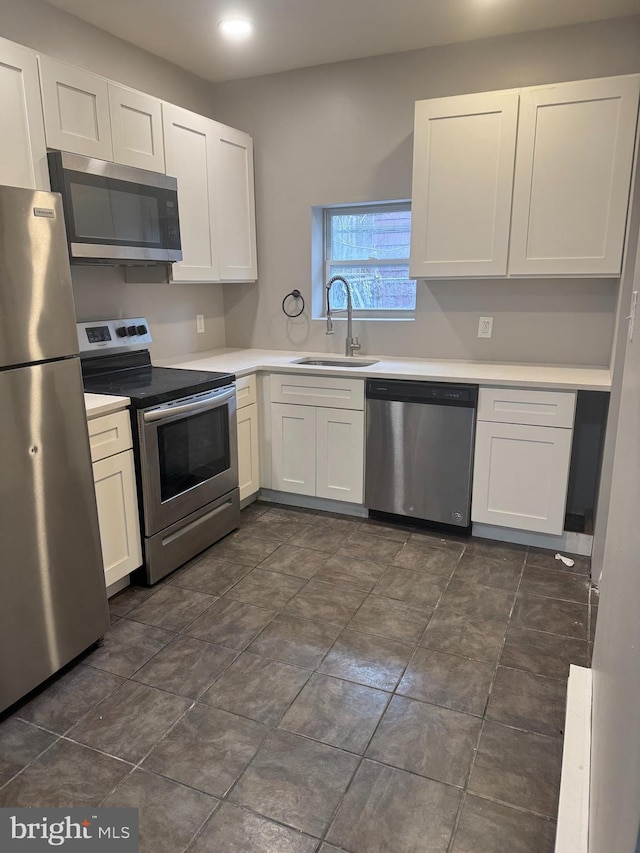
(202, 405)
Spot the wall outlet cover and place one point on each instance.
(485, 327)
(200, 323)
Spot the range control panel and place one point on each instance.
(113, 334)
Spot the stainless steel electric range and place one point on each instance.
(185, 440)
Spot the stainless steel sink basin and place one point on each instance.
(336, 362)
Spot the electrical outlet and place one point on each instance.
(485, 327)
(200, 324)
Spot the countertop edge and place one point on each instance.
(104, 404)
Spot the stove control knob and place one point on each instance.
(142, 330)
(131, 330)
(121, 331)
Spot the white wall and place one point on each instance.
(102, 292)
(343, 133)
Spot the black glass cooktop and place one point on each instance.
(132, 375)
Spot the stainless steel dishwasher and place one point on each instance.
(419, 451)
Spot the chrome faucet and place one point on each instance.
(352, 344)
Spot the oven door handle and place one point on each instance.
(204, 404)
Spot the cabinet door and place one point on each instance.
(23, 153)
(76, 110)
(235, 216)
(293, 457)
(136, 129)
(520, 476)
(463, 156)
(117, 501)
(189, 141)
(573, 169)
(248, 459)
(340, 455)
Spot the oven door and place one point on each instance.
(188, 455)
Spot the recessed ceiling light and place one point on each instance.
(236, 28)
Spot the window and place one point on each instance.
(369, 246)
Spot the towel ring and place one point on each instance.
(295, 294)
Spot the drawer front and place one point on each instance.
(328, 391)
(245, 391)
(523, 406)
(109, 434)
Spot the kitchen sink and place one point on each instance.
(336, 362)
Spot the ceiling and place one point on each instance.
(300, 33)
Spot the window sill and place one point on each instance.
(360, 319)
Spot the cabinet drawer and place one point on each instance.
(109, 434)
(523, 406)
(245, 391)
(328, 391)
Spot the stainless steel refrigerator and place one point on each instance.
(52, 590)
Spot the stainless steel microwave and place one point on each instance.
(116, 214)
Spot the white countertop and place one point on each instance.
(246, 361)
(103, 404)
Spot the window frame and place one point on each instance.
(327, 261)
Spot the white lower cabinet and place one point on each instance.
(248, 444)
(521, 470)
(317, 451)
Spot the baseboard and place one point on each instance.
(568, 542)
(573, 812)
(309, 502)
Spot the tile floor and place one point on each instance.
(316, 683)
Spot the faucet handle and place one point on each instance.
(355, 342)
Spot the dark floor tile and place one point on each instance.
(211, 575)
(241, 547)
(474, 600)
(66, 775)
(186, 666)
(554, 584)
(296, 781)
(325, 602)
(374, 661)
(590, 654)
(395, 532)
(532, 702)
(257, 687)
(488, 827)
(130, 597)
(447, 680)
(296, 641)
(518, 768)
(482, 569)
(415, 588)
(272, 526)
(295, 561)
(508, 552)
(252, 511)
(20, 743)
(359, 574)
(207, 750)
(421, 557)
(127, 646)
(130, 721)
(170, 814)
(337, 521)
(387, 617)
(336, 712)
(235, 829)
(230, 623)
(593, 619)
(390, 810)
(439, 539)
(367, 546)
(426, 739)
(61, 704)
(547, 560)
(545, 654)
(550, 615)
(321, 538)
(462, 635)
(171, 608)
(266, 589)
(288, 512)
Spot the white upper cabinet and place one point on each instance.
(235, 217)
(23, 153)
(573, 170)
(464, 151)
(136, 128)
(76, 110)
(189, 141)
